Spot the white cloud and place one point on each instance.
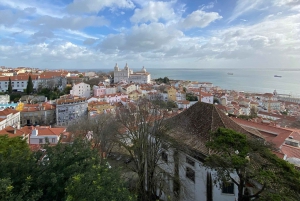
(245, 6)
(199, 19)
(69, 22)
(42, 7)
(156, 36)
(287, 2)
(10, 18)
(208, 6)
(141, 39)
(92, 6)
(153, 12)
(82, 35)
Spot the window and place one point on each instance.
(164, 156)
(190, 173)
(40, 141)
(228, 188)
(190, 161)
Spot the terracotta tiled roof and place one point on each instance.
(43, 130)
(12, 132)
(205, 94)
(98, 103)
(290, 151)
(275, 135)
(8, 111)
(75, 100)
(18, 78)
(51, 74)
(36, 107)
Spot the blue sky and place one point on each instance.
(155, 34)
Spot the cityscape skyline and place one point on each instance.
(155, 34)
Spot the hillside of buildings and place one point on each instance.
(60, 107)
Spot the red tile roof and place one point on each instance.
(19, 78)
(275, 135)
(8, 111)
(12, 132)
(290, 151)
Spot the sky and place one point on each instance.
(97, 34)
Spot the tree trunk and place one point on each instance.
(241, 190)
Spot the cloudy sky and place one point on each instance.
(155, 34)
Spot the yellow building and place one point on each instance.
(100, 106)
(135, 95)
(171, 93)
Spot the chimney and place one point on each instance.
(34, 132)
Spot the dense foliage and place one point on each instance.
(191, 97)
(165, 80)
(29, 88)
(9, 89)
(62, 172)
(51, 94)
(165, 105)
(244, 160)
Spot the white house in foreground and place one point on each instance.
(191, 129)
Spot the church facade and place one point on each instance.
(128, 75)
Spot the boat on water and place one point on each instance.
(277, 76)
(230, 73)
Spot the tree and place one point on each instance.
(244, 160)
(9, 89)
(29, 88)
(17, 167)
(94, 185)
(62, 172)
(253, 112)
(99, 130)
(72, 171)
(165, 80)
(67, 90)
(191, 97)
(142, 136)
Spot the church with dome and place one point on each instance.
(129, 76)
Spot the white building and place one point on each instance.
(271, 105)
(9, 117)
(206, 85)
(191, 130)
(128, 75)
(206, 97)
(183, 104)
(81, 89)
(69, 109)
(44, 134)
(19, 82)
(4, 99)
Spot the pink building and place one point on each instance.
(99, 90)
(112, 98)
